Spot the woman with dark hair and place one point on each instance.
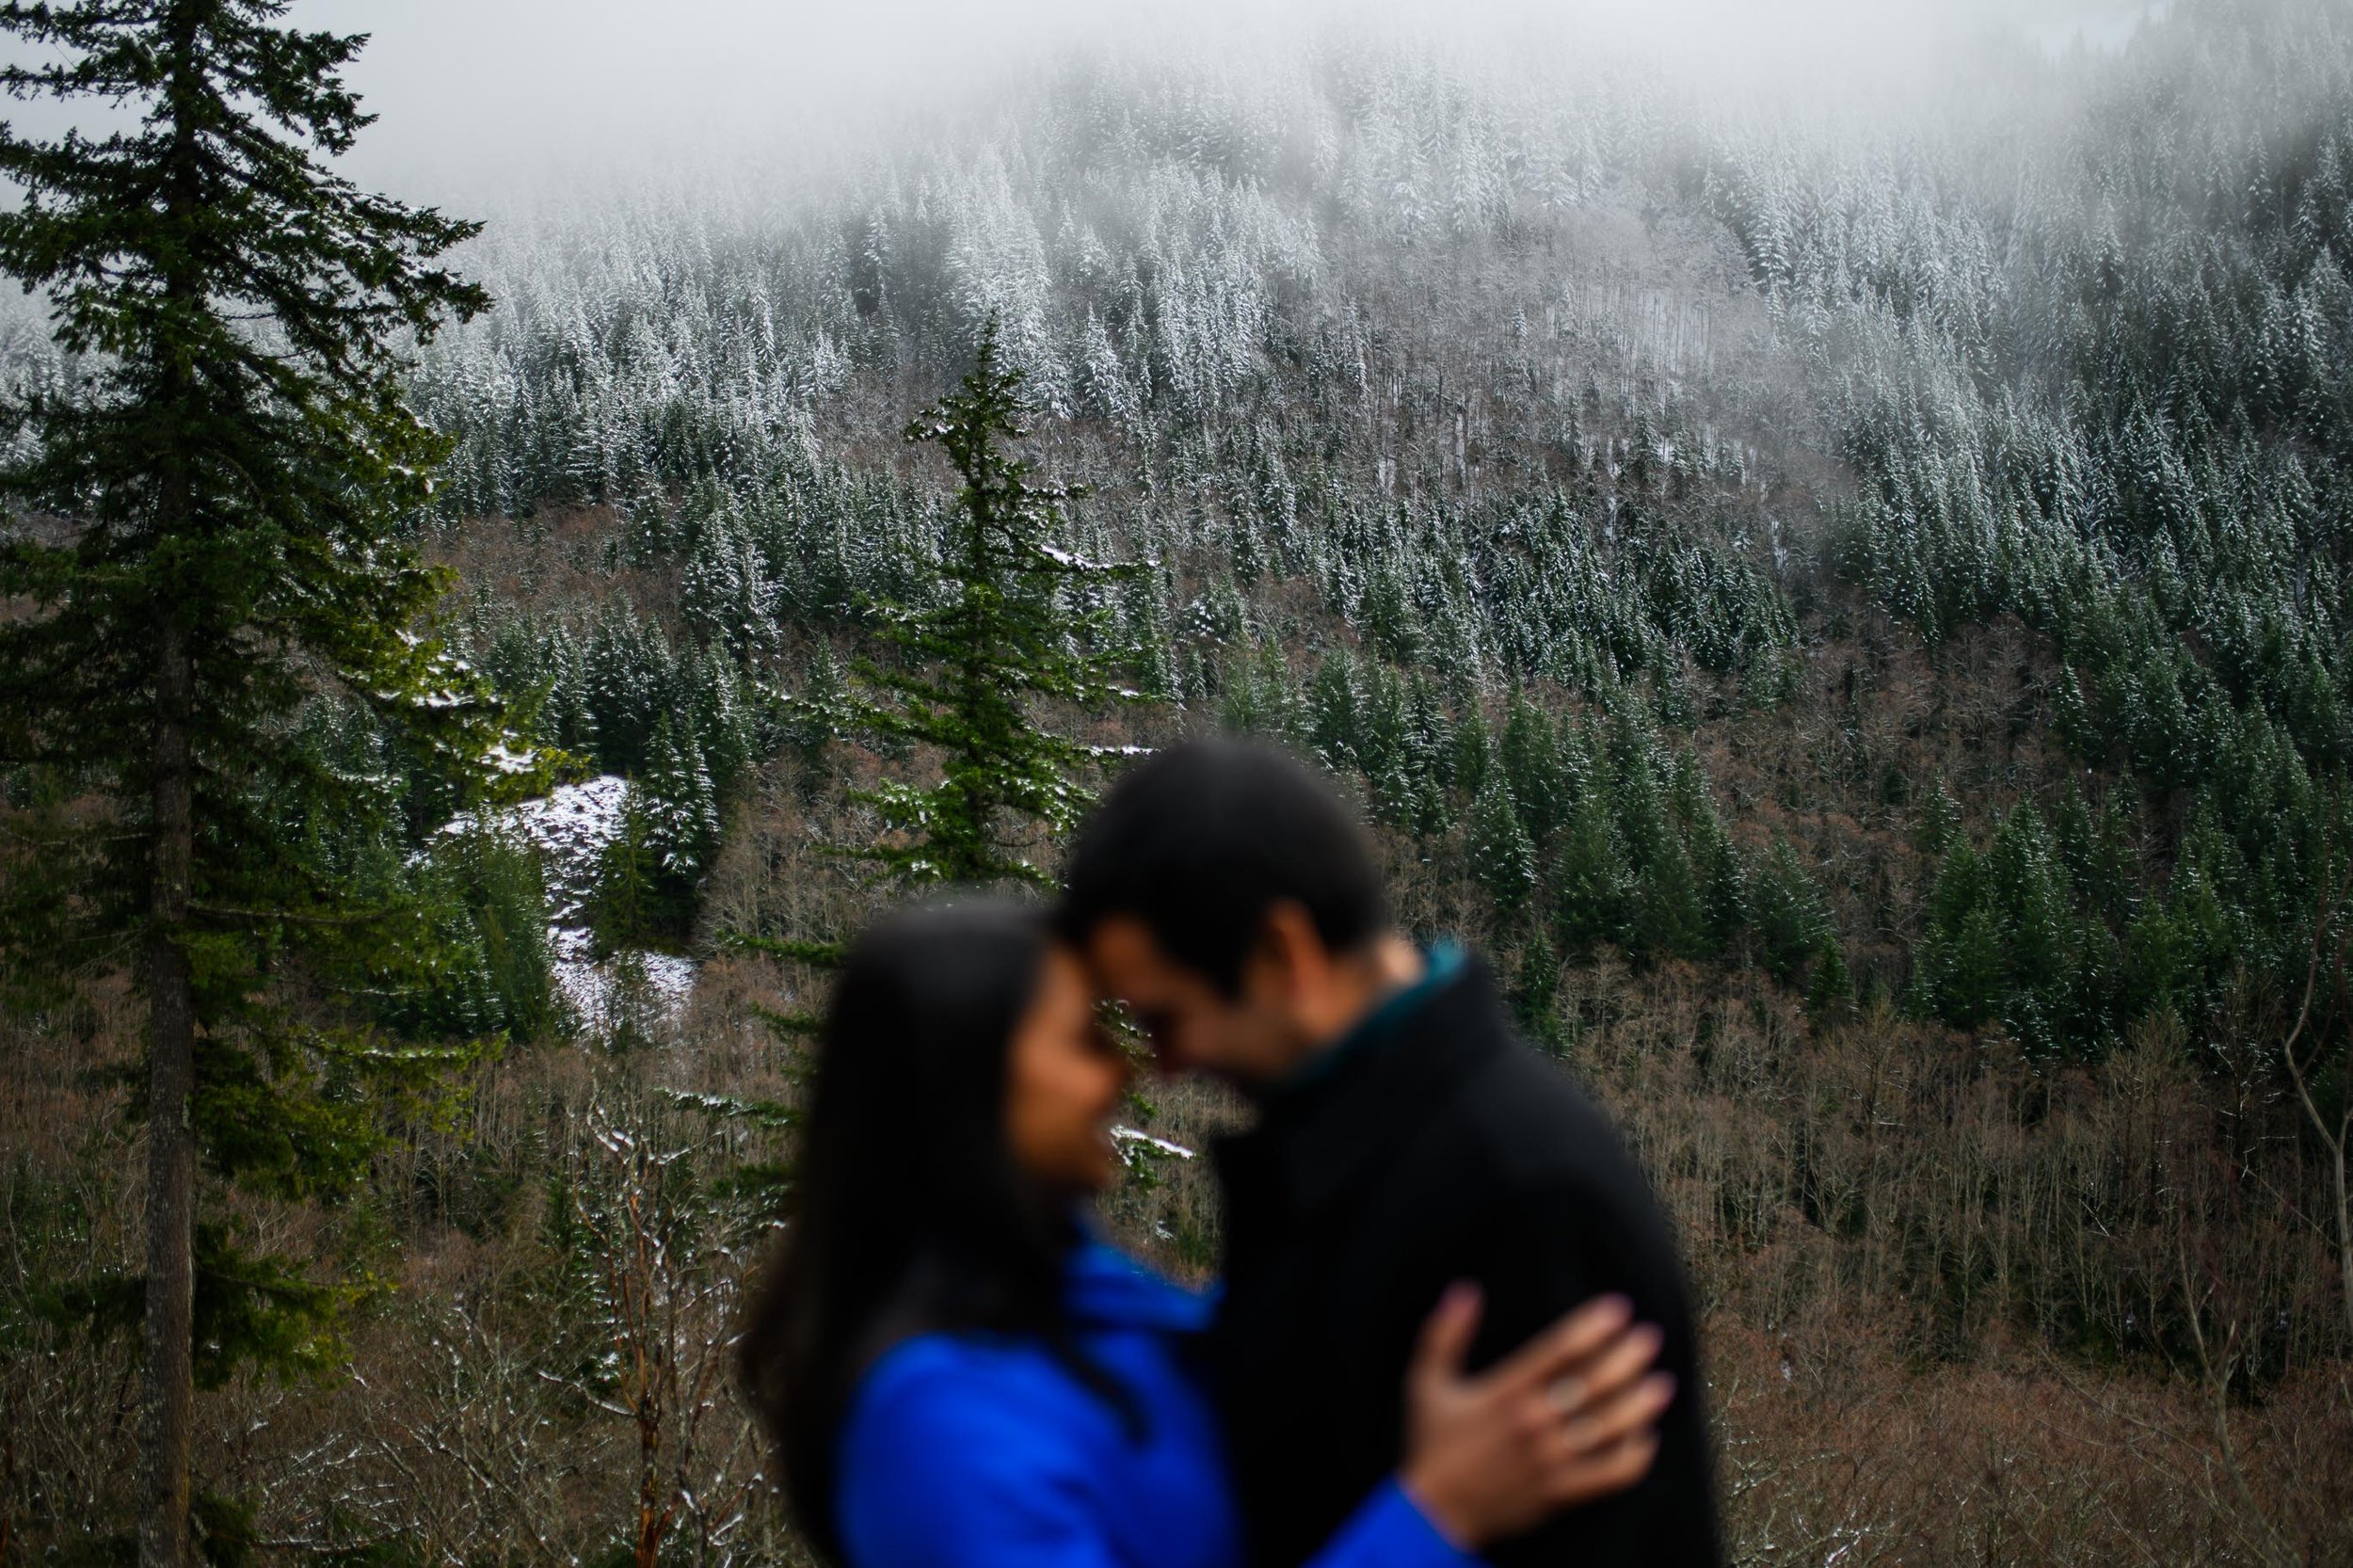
(956, 1376)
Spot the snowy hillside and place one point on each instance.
(571, 826)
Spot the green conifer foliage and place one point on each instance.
(230, 481)
(1669, 918)
(632, 902)
(1426, 757)
(1830, 987)
(1969, 979)
(1593, 895)
(680, 803)
(1531, 761)
(1502, 855)
(1333, 725)
(1018, 627)
(2038, 927)
(1471, 754)
(484, 897)
(1143, 627)
(1535, 989)
(725, 592)
(1723, 882)
(631, 674)
(1788, 908)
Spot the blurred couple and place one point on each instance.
(1449, 1326)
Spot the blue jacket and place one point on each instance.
(971, 1451)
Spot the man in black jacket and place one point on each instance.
(1407, 1140)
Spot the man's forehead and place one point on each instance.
(1123, 943)
(1127, 959)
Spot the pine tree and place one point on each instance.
(1791, 920)
(1969, 981)
(1830, 988)
(1144, 627)
(487, 895)
(230, 479)
(566, 718)
(1502, 856)
(725, 592)
(2036, 923)
(1335, 725)
(1961, 967)
(1427, 756)
(680, 803)
(970, 670)
(1472, 755)
(1535, 990)
(1724, 882)
(1939, 821)
(1592, 893)
(723, 721)
(1259, 698)
(818, 711)
(1532, 759)
(1669, 920)
(629, 906)
(629, 672)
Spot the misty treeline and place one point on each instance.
(1844, 599)
(1447, 378)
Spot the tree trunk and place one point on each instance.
(167, 1387)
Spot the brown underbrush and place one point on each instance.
(1958, 1308)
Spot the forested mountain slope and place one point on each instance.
(1408, 374)
(1847, 603)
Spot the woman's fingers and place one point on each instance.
(1614, 1367)
(1446, 1335)
(1587, 1476)
(1577, 1338)
(1567, 1418)
(1629, 1414)
(1603, 1370)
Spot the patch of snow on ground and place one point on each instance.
(570, 826)
(595, 991)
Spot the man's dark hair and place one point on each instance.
(1200, 840)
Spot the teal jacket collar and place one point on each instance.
(1442, 960)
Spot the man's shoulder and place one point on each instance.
(1518, 1130)
(1528, 1118)
(1536, 1113)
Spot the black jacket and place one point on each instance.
(1442, 1149)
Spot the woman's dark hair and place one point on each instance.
(911, 1214)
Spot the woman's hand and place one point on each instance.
(1564, 1420)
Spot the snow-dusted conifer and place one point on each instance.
(974, 664)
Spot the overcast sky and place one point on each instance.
(471, 91)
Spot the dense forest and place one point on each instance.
(1849, 605)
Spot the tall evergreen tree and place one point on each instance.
(680, 802)
(1532, 759)
(1592, 892)
(1333, 722)
(1016, 629)
(1502, 856)
(1670, 919)
(1791, 918)
(201, 537)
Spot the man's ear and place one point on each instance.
(1292, 950)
